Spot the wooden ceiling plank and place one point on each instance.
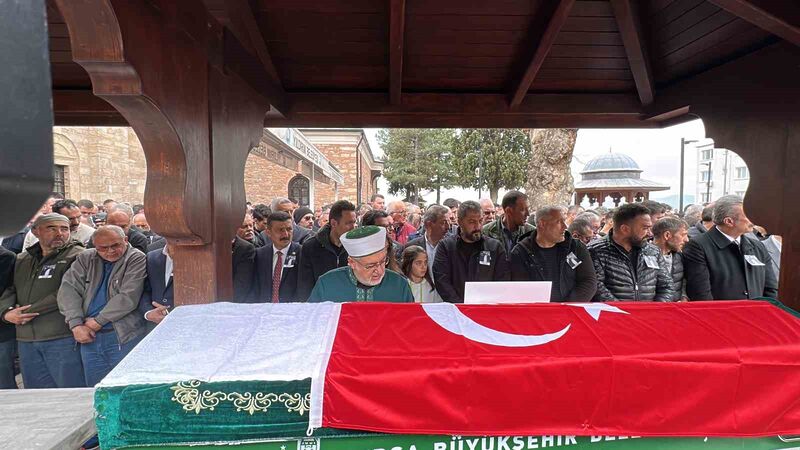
(548, 38)
(397, 15)
(760, 16)
(244, 26)
(630, 29)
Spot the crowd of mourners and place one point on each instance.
(85, 282)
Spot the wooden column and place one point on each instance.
(163, 66)
(752, 106)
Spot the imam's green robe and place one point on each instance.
(340, 285)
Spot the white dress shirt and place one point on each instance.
(167, 266)
(737, 240)
(275, 252)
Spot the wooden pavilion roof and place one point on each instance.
(463, 63)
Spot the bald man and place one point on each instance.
(121, 219)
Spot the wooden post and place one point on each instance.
(163, 66)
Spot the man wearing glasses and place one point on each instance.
(365, 278)
(99, 298)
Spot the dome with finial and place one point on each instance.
(615, 171)
(611, 162)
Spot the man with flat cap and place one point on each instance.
(365, 278)
(49, 356)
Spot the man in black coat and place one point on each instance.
(8, 339)
(158, 295)
(324, 252)
(243, 260)
(627, 266)
(725, 263)
(280, 258)
(549, 253)
(704, 224)
(15, 242)
(468, 256)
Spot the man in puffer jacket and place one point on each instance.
(627, 266)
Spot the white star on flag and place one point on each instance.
(594, 309)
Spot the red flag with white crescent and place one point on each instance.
(725, 368)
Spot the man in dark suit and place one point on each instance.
(157, 297)
(436, 226)
(276, 264)
(725, 263)
(244, 253)
(15, 242)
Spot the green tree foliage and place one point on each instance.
(501, 154)
(417, 159)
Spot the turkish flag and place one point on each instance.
(724, 368)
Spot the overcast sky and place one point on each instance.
(656, 151)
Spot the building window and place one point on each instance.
(58, 180)
(299, 190)
(705, 197)
(705, 175)
(740, 194)
(741, 173)
(706, 154)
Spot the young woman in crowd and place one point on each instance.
(415, 268)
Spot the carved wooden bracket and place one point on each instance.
(163, 66)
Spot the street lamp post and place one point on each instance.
(708, 182)
(683, 149)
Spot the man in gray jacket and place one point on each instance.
(99, 297)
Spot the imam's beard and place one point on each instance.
(371, 283)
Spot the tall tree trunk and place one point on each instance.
(493, 190)
(549, 176)
(438, 194)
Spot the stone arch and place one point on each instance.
(65, 153)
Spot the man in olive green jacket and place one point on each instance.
(99, 299)
(48, 353)
(510, 227)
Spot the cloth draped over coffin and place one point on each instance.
(234, 372)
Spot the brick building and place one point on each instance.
(349, 150)
(108, 162)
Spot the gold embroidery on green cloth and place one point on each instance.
(251, 403)
(188, 394)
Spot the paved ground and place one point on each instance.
(46, 418)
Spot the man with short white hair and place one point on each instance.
(488, 211)
(402, 229)
(725, 263)
(99, 298)
(365, 278)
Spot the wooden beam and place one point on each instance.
(327, 109)
(779, 17)
(546, 41)
(630, 29)
(397, 17)
(242, 22)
